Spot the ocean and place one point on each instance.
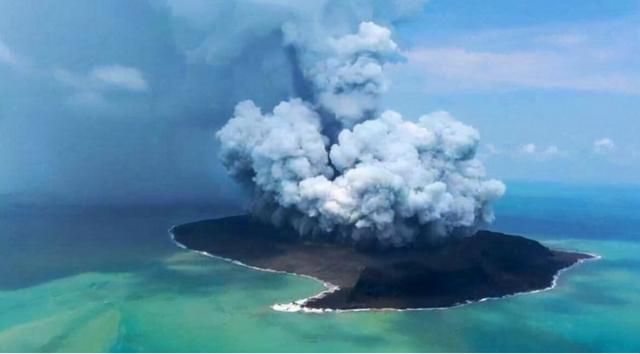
(110, 279)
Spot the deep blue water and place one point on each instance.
(552, 210)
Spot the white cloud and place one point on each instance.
(459, 68)
(103, 78)
(603, 146)
(7, 55)
(535, 151)
(597, 56)
(528, 148)
(120, 77)
(90, 91)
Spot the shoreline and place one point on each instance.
(299, 305)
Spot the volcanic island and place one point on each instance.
(467, 269)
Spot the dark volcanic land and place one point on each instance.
(487, 264)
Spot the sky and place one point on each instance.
(552, 86)
(113, 101)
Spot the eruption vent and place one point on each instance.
(381, 178)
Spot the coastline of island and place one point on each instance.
(396, 280)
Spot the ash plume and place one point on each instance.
(347, 72)
(379, 178)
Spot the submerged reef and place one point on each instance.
(484, 265)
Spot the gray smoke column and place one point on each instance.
(383, 178)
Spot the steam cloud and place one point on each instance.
(381, 178)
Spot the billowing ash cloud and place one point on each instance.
(347, 72)
(382, 178)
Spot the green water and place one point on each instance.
(108, 281)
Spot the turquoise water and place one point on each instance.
(111, 280)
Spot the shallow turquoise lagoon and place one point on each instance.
(111, 280)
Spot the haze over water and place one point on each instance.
(111, 280)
